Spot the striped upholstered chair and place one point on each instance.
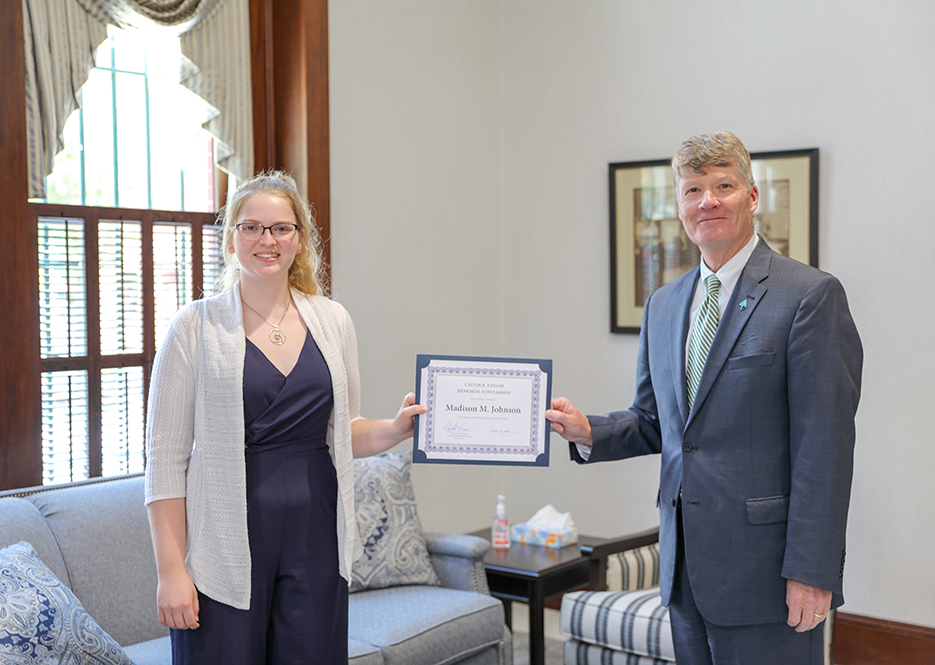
(623, 622)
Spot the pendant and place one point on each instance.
(276, 337)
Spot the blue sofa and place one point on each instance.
(94, 536)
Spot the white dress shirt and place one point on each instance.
(728, 275)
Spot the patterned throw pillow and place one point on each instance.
(395, 552)
(41, 621)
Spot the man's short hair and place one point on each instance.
(702, 151)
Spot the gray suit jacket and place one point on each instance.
(764, 458)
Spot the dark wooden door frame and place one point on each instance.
(20, 406)
(289, 47)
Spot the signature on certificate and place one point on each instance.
(459, 426)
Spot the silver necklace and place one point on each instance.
(276, 336)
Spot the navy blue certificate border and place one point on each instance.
(541, 429)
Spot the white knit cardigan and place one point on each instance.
(195, 434)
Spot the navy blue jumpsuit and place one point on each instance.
(298, 599)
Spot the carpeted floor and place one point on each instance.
(553, 650)
(554, 640)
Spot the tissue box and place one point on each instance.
(554, 538)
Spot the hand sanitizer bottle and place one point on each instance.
(500, 533)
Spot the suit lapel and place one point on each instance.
(678, 331)
(746, 297)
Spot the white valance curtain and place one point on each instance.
(60, 43)
(62, 35)
(181, 15)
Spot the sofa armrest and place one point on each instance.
(459, 560)
(597, 571)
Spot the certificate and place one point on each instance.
(482, 410)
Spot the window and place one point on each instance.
(136, 141)
(111, 278)
(108, 287)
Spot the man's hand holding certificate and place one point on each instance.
(482, 410)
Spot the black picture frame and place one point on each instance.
(649, 247)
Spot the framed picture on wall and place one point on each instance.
(649, 247)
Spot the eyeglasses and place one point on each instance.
(251, 231)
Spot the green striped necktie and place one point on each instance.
(701, 336)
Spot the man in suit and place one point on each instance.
(748, 380)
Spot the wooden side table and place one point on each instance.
(532, 574)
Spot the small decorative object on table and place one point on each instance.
(500, 531)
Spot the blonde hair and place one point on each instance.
(703, 151)
(306, 274)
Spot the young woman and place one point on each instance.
(253, 423)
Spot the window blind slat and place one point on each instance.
(212, 260)
(64, 426)
(121, 420)
(62, 288)
(172, 268)
(120, 265)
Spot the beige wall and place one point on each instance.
(470, 143)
